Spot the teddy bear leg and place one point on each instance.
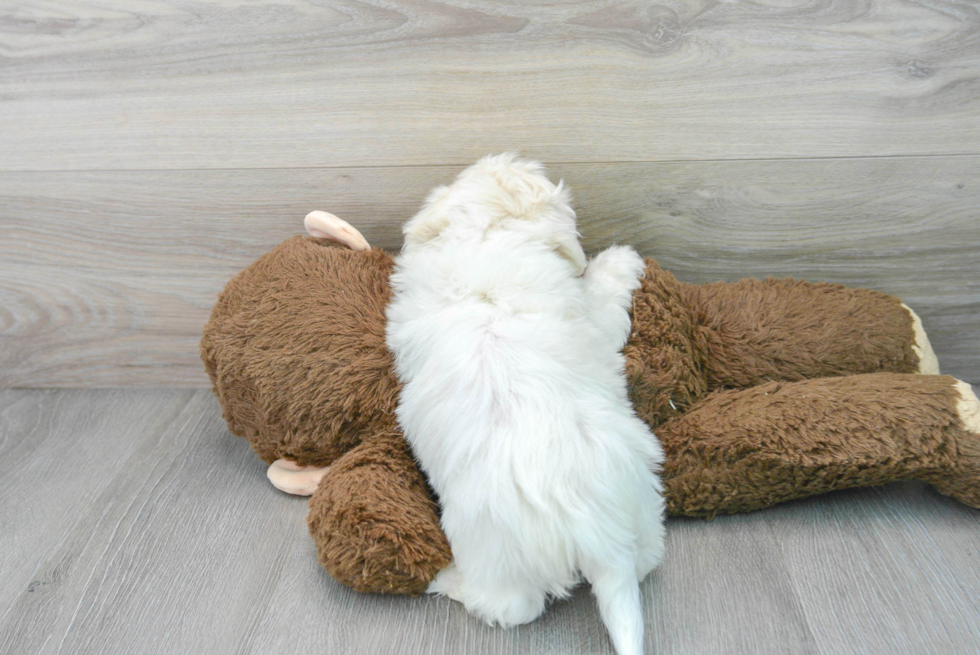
(754, 331)
(373, 520)
(288, 476)
(746, 449)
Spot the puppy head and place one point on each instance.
(500, 192)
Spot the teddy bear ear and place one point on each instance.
(327, 226)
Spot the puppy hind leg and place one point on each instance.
(650, 541)
(510, 606)
(446, 583)
(494, 601)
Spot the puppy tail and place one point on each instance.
(617, 591)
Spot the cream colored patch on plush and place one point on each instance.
(292, 478)
(928, 363)
(968, 407)
(324, 225)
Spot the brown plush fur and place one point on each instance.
(689, 340)
(760, 391)
(373, 519)
(725, 455)
(295, 348)
(296, 351)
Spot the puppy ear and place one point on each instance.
(566, 241)
(431, 220)
(327, 226)
(567, 246)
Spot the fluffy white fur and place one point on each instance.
(515, 401)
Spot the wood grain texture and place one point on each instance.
(107, 278)
(58, 456)
(826, 554)
(239, 84)
(160, 538)
(159, 533)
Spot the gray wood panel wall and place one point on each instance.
(150, 151)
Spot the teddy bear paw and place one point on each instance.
(963, 482)
(928, 363)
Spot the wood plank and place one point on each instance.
(59, 452)
(174, 547)
(886, 570)
(161, 535)
(728, 574)
(107, 278)
(118, 85)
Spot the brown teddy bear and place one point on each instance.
(760, 391)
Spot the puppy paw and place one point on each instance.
(616, 272)
(448, 582)
(505, 607)
(510, 607)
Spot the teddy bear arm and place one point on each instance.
(374, 522)
(759, 330)
(741, 450)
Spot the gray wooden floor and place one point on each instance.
(131, 521)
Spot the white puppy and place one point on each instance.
(515, 402)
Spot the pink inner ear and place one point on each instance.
(323, 225)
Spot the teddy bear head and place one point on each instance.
(295, 348)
